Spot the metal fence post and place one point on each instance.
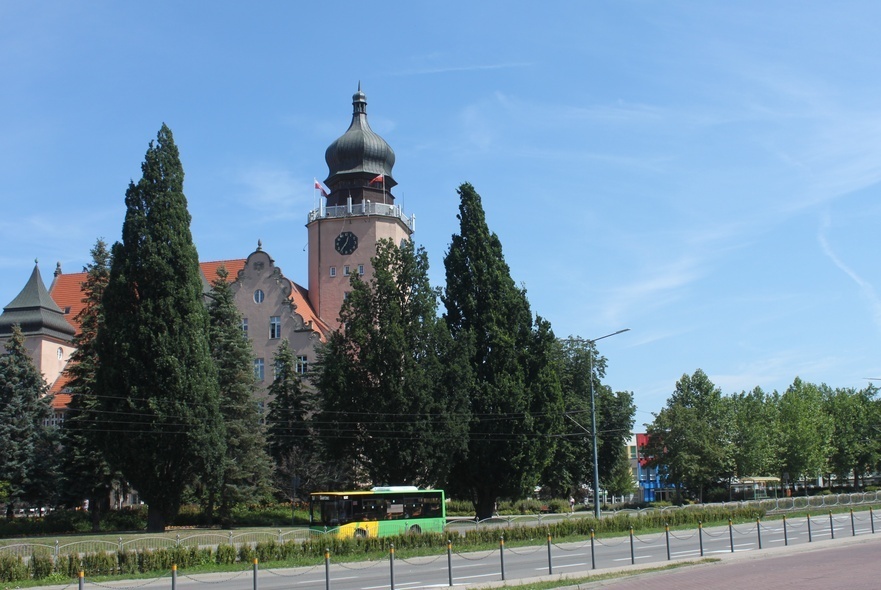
(173, 576)
(550, 563)
(667, 538)
(593, 561)
(785, 536)
(810, 536)
(632, 554)
(502, 554)
(759, 531)
(731, 535)
(853, 526)
(326, 568)
(82, 579)
(391, 564)
(255, 573)
(450, 559)
(700, 536)
(872, 520)
(831, 525)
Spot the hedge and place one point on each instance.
(41, 565)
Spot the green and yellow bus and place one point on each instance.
(378, 512)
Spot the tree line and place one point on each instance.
(703, 439)
(461, 387)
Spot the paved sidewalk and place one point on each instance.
(853, 564)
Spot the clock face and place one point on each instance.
(346, 242)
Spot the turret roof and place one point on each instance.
(35, 311)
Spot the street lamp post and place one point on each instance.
(593, 422)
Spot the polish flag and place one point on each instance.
(320, 187)
(378, 178)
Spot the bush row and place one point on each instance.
(42, 565)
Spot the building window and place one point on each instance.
(333, 271)
(360, 269)
(60, 353)
(56, 421)
(275, 327)
(346, 270)
(261, 412)
(259, 369)
(258, 296)
(245, 327)
(302, 365)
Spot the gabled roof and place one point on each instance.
(36, 312)
(233, 267)
(67, 291)
(300, 297)
(59, 389)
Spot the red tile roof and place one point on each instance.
(209, 269)
(300, 297)
(67, 292)
(62, 398)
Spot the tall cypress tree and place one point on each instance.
(25, 441)
(157, 382)
(246, 475)
(87, 473)
(516, 402)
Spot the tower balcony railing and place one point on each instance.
(363, 209)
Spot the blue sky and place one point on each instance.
(703, 173)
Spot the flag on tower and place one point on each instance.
(320, 187)
(377, 178)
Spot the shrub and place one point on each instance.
(68, 565)
(100, 563)
(226, 554)
(12, 568)
(67, 521)
(41, 565)
(128, 519)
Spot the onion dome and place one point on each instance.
(360, 155)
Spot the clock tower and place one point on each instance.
(359, 210)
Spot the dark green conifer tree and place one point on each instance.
(393, 383)
(87, 474)
(247, 470)
(292, 439)
(27, 445)
(516, 402)
(156, 379)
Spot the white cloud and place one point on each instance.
(866, 288)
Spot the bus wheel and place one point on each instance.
(360, 534)
(415, 530)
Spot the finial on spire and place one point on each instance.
(57, 268)
(259, 245)
(36, 261)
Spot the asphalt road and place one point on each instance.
(839, 537)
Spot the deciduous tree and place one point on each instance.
(689, 439)
(805, 431)
(392, 381)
